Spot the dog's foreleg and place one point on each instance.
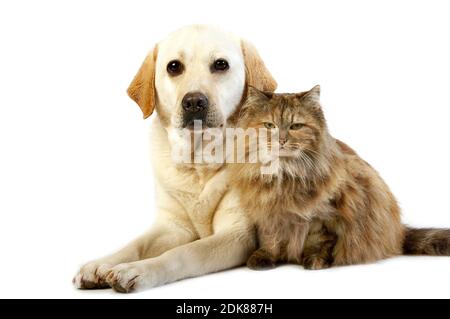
(223, 250)
(162, 237)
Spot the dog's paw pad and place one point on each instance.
(123, 278)
(91, 276)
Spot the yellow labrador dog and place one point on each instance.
(196, 73)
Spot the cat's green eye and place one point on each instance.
(269, 125)
(296, 126)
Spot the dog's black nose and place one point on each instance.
(194, 102)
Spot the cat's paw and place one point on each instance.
(261, 260)
(316, 263)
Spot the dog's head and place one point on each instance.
(198, 73)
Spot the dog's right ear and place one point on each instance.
(142, 88)
(256, 73)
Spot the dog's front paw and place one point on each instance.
(92, 276)
(138, 275)
(124, 278)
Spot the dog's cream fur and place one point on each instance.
(200, 225)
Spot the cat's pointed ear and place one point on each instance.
(255, 96)
(312, 96)
(255, 93)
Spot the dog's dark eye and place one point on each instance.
(220, 65)
(175, 67)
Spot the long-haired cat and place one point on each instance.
(325, 205)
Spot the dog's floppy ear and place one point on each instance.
(142, 88)
(256, 72)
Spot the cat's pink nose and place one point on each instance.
(282, 141)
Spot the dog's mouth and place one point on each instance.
(201, 121)
(195, 121)
(199, 125)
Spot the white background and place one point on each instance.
(75, 178)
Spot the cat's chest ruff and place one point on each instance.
(291, 198)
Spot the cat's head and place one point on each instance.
(298, 119)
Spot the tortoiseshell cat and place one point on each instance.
(325, 205)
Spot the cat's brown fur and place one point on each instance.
(325, 205)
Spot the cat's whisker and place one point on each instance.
(311, 150)
(306, 160)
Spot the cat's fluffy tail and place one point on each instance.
(427, 241)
